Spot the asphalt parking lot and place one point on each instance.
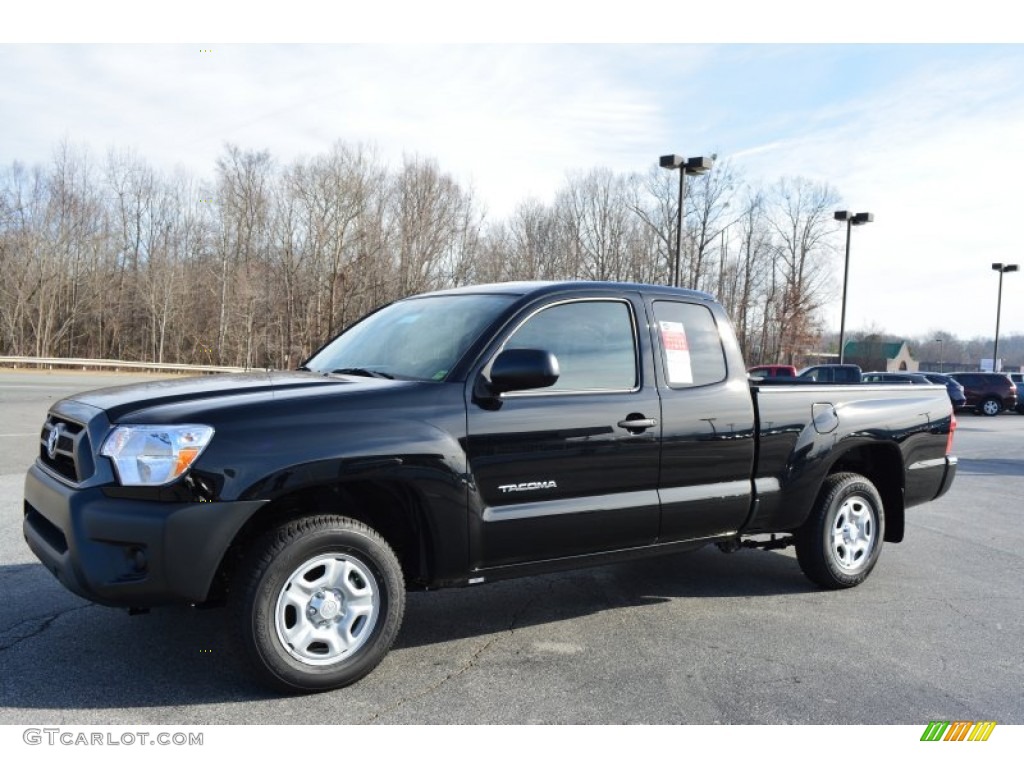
(934, 633)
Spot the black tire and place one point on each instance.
(841, 540)
(317, 603)
(990, 406)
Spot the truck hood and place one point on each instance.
(117, 401)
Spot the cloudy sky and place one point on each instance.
(927, 136)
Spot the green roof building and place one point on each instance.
(876, 355)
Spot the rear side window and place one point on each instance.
(846, 375)
(837, 374)
(691, 346)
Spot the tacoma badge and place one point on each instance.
(538, 485)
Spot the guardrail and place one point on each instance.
(128, 365)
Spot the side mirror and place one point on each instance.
(516, 369)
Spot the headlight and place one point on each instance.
(145, 454)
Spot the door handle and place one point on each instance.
(636, 423)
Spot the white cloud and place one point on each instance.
(937, 157)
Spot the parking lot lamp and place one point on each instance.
(1001, 269)
(852, 220)
(693, 166)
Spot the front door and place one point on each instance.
(573, 468)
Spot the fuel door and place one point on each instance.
(824, 417)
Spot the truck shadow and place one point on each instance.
(557, 597)
(61, 653)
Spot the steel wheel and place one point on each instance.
(853, 533)
(839, 544)
(317, 603)
(327, 609)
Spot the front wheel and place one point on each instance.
(990, 406)
(841, 540)
(318, 603)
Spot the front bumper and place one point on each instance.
(125, 552)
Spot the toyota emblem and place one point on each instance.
(52, 439)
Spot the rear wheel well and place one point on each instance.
(391, 509)
(883, 466)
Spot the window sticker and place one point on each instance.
(677, 353)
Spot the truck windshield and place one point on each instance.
(418, 338)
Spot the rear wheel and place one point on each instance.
(990, 406)
(318, 603)
(841, 540)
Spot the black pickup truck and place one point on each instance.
(460, 437)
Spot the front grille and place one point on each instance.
(71, 456)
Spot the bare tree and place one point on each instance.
(801, 217)
(751, 293)
(428, 216)
(243, 200)
(259, 264)
(708, 198)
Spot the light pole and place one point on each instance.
(939, 340)
(693, 166)
(1001, 269)
(852, 220)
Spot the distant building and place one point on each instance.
(877, 355)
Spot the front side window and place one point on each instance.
(691, 347)
(814, 374)
(594, 342)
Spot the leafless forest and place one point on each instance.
(108, 257)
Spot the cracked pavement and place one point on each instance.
(11, 636)
(698, 638)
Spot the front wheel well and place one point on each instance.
(391, 509)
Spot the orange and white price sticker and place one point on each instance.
(677, 352)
